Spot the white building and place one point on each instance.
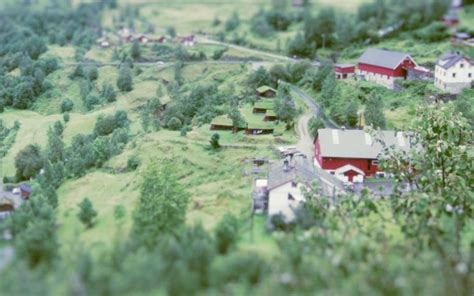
(453, 73)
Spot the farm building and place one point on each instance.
(263, 106)
(270, 115)
(352, 155)
(453, 73)
(224, 123)
(256, 130)
(266, 92)
(344, 71)
(384, 67)
(451, 19)
(186, 40)
(286, 184)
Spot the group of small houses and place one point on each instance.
(342, 158)
(453, 71)
(11, 200)
(264, 106)
(127, 35)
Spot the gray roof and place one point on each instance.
(383, 58)
(340, 143)
(450, 59)
(344, 65)
(299, 170)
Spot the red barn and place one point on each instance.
(352, 155)
(384, 67)
(344, 71)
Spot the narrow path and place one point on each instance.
(276, 57)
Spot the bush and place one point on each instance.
(92, 73)
(67, 105)
(133, 162)
(87, 213)
(215, 141)
(247, 268)
(28, 162)
(226, 233)
(125, 81)
(174, 124)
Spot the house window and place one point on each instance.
(454, 75)
(375, 162)
(462, 65)
(469, 75)
(294, 184)
(290, 197)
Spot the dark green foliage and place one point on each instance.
(374, 111)
(218, 53)
(91, 101)
(66, 117)
(436, 31)
(215, 141)
(352, 116)
(78, 72)
(135, 50)
(87, 213)
(246, 268)
(285, 108)
(108, 93)
(174, 124)
(105, 125)
(171, 31)
(300, 47)
(233, 22)
(464, 104)
(314, 124)
(226, 233)
(67, 105)
(133, 162)
(161, 207)
(92, 73)
(259, 78)
(28, 162)
(124, 80)
(328, 90)
(34, 231)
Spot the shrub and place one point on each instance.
(28, 162)
(174, 124)
(226, 233)
(67, 105)
(133, 162)
(87, 213)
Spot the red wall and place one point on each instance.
(332, 163)
(397, 72)
(347, 70)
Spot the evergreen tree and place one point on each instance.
(135, 50)
(87, 213)
(161, 207)
(328, 90)
(34, 231)
(352, 117)
(215, 141)
(124, 80)
(28, 162)
(374, 111)
(285, 108)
